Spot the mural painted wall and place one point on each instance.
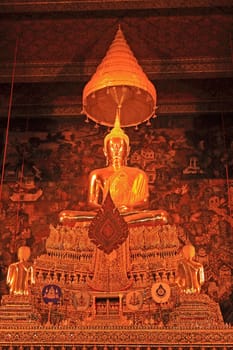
(189, 163)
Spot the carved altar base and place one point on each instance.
(92, 314)
(18, 309)
(196, 311)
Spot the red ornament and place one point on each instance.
(108, 230)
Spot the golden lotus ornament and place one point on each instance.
(119, 84)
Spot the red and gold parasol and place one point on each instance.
(119, 84)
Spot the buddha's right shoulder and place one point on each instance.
(97, 172)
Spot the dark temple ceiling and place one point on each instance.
(185, 48)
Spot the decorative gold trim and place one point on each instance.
(107, 5)
(26, 335)
(154, 69)
(164, 108)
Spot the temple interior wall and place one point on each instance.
(188, 160)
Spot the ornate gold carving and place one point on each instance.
(110, 271)
(80, 300)
(110, 298)
(134, 300)
(69, 238)
(196, 311)
(115, 336)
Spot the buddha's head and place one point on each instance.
(24, 253)
(116, 144)
(188, 251)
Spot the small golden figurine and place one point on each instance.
(190, 273)
(128, 186)
(20, 274)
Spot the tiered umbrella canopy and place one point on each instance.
(119, 85)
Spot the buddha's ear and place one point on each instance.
(106, 155)
(105, 151)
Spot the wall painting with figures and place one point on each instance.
(189, 163)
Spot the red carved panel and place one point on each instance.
(108, 230)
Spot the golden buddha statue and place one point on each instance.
(127, 186)
(190, 272)
(21, 273)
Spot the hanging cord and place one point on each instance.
(226, 165)
(21, 183)
(8, 118)
(231, 48)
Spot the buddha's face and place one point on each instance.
(116, 149)
(188, 251)
(24, 253)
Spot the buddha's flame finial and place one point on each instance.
(116, 130)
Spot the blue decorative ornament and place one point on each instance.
(51, 293)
